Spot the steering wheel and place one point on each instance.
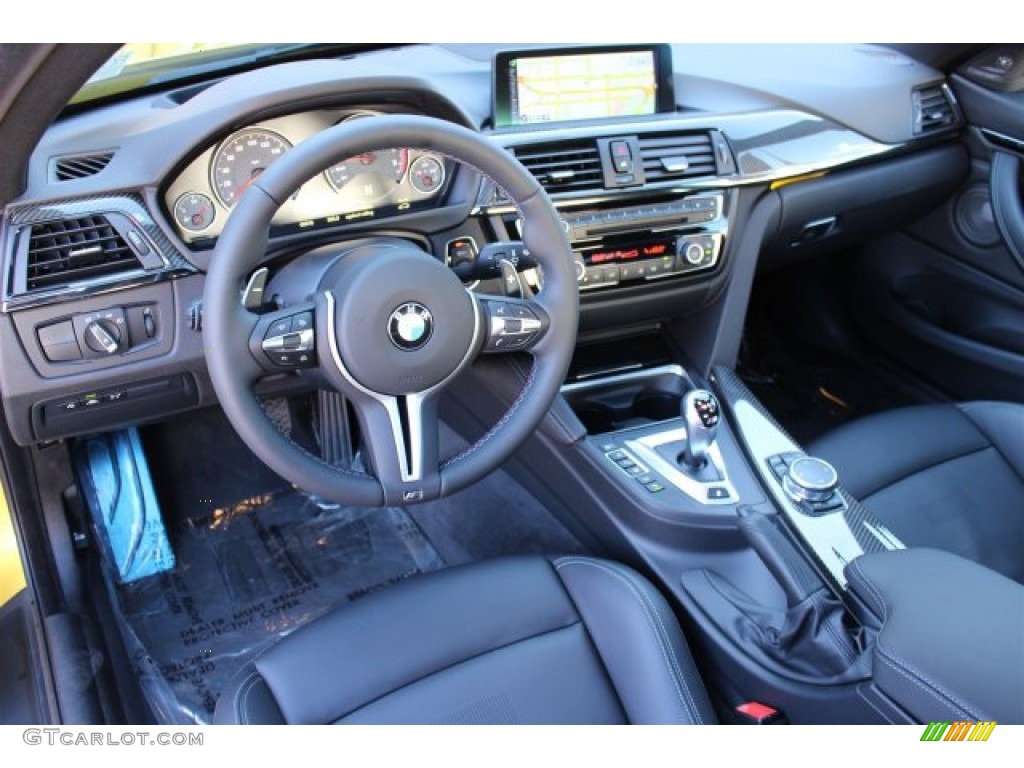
(391, 327)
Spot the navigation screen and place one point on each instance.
(563, 86)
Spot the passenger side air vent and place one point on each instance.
(933, 109)
(69, 250)
(79, 166)
(563, 166)
(670, 156)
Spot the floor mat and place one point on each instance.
(494, 517)
(247, 575)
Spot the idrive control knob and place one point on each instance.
(810, 479)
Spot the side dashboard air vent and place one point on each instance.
(669, 156)
(933, 109)
(80, 166)
(563, 166)
(69, 250)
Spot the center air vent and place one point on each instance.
(669, 156)
(933, 109)
(80, 166)
(563, 166)
(70, 250)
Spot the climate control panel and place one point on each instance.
(647, 242)
(648, 260)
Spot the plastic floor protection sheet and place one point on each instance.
(245, 577)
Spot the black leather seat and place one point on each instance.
(949, 477)
(523, 640)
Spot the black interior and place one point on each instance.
(846, 282)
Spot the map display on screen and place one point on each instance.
(582, 86)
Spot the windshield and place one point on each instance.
(138, 65)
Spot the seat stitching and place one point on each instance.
(992, 443)
(843, 647)
(928, 468)
(918, 678)
(937, 692)
(243, 694)
(453, 665)
(661, 636)
(880, 604)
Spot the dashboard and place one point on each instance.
(668, 204)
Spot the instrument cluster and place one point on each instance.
(377, 184)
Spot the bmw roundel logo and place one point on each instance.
(410, 326)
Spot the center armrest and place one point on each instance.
(950, 640)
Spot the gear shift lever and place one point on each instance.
(701, 414)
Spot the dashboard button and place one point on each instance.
(622, 156)
(59, 342)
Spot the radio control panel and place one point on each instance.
(647, 242)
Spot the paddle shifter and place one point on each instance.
(701, 414)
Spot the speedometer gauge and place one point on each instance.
(371, 176)
(241, 159)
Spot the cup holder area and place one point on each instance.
(625, 400)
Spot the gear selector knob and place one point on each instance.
(701, 413)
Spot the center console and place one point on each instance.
(770, 598)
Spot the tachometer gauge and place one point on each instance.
(241, 159)
(194, 211)
(426, 174)
(371, 176)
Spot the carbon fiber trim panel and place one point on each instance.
(129, 204)
(864, 533)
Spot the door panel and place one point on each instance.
(945, 296)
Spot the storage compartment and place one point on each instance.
(636, 398)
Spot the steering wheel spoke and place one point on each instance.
(511, 324)
(401, 437)
(285, 340)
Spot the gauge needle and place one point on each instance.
(248, 182)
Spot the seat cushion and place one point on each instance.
(520, 640)
(949, 477)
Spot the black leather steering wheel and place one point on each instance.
(392, 327)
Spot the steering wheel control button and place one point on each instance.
(511, 325)
(290, 342)
(280, 327)
(410, 326)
